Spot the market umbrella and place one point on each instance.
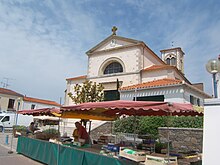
(54, 112)
(42, 111)
(117, 108)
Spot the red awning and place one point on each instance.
(40, 112)
(138, 108)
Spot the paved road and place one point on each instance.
(14, 158)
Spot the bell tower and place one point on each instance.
(174, 57)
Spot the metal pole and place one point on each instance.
(16, 122)
(58, 145)
(215, 85)
(12, 136)
(168, 139)
(135, 121)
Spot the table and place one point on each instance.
(54, 154)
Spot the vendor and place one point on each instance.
(75, 135)
(31, 128)
(82, 133)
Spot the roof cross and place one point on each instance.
(114, 29)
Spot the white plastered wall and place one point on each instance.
(211, 132)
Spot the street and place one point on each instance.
(13, 158)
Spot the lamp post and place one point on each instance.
(213, 67)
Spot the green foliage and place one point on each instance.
(88, 92)
(159, 146)
(19, 128)
(127, 125)
(150, 124)
(187, 122)
(50, 131)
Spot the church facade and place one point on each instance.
(131, 68)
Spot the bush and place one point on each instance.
(50, 131)
(47, 134)
(150, 124)
(127, 125)
(19, 128)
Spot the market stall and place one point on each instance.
(135, 108)
(108, 111)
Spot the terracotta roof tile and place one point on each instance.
(35, 100)
(77, 78)
(158, 67)
(155, 83)
(10, 92)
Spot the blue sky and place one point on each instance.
(43, 42)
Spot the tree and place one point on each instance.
(88, 92)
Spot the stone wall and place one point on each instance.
(103, 129)
(183, 139)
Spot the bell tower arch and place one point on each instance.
(174, 57)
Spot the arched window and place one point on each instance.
(173, 61)
(114, 67)
(168, 61)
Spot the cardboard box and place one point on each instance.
(137, 156)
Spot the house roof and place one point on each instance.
(166, 82)
(35, 100)
(77, 78)
(155, 83)
(165, 66)
(10, 92)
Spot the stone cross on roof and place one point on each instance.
(114, 29)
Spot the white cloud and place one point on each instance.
(44, 43)
(37, 51)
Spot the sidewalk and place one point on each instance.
(14, 158)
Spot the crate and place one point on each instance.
(159, 159)
(137, 156)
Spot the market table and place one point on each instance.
(54, 154)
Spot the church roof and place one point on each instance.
(177, 48)
(155, 83)
(10, 92)
(158, 67)
(132, 41)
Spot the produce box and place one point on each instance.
(137, 156)
(159, 159)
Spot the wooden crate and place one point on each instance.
(139, 156)
(159, 159)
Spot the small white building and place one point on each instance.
(10, 100)
(13, 101)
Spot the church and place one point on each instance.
(129, 70)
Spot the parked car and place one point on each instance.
(8, 120)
